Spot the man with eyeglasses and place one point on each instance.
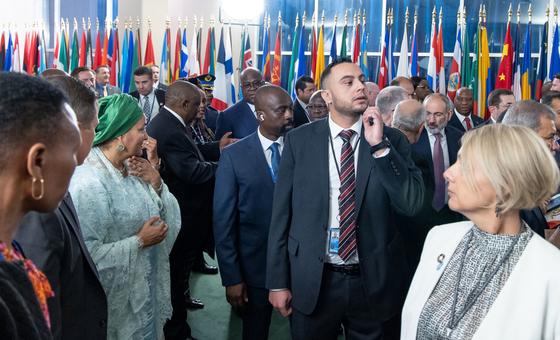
(240, 120)
(317, 107)
(435, 151)
(499, 102)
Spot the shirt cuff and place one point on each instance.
(385, 153)
(278, 289)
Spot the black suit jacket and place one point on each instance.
(211, 118)
(298, 228)
(54, 242)
(454, 122)
(160, 96)
(300, 116)
(242, 209)
(188, 175)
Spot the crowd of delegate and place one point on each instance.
(353, 212)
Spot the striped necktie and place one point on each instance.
(347, 198)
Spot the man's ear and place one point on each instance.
(327, 97)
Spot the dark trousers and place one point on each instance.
(181, 261)
(257, 314)
(341, 301)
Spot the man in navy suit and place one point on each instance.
(334, 253)
(438, 142)
(462, 119)
(241, 118)
(242, 207)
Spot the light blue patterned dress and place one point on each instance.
(112, 208)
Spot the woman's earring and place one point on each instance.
(41, 188)
(120, 148)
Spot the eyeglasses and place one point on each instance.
(316, 107)
(254, 84)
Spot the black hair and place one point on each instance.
(81, 98)
(549, 97)
(143, 70)
(79, 69)
(327, 71)
(494, 96)
(302, 81)
(31, 110)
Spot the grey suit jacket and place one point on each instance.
(298, 229)
(54, 243)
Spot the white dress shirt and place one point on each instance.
(152, 100)
(445, 150)
(266, 143)
(462, 119)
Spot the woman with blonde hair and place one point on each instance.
(490, 277)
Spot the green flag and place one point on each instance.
(343, 49)
(62, 62)
(466, 76)
(75, 57)
(293, 59)
(474, 71)
(135, 58)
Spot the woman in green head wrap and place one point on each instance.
(130, 220)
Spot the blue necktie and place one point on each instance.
(274, 160)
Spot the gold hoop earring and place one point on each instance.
(41, 187)
(120, 148)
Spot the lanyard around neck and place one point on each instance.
(334, 154)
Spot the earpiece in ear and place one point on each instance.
(262, 117)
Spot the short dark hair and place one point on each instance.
(549, 97)
(327, 71)
(494, 96)
(143, 70)
(302, 81)
(81, 98)
(557, 76)
(102, 66)
(79, 69)
(416, 81)
(31, 110)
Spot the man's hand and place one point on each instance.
(226, 140)
(373, 133)
(236, 295)
(281, 300)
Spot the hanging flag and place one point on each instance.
(229, 67)
(402, 69)
(454, 73)
(105, 51)
(526, 66)
(248, 54)
(293, 70)
(55, 51)
(333, 55)
(265, 61)
(110, 59)
(75, 52)
(466, 63)
(83, 48)
(209, 55)
(474, 71)
(301, 64)
(484, 73)
(313, 42)
(16, 59)
(541, 65)
(198, 44)
(363, 54)
(164, 68)
(276, 74)
(149, 57)
(343, 49)
(555, 54)
(516, 87)
(135, 58)
(432, 58)
(504, 76)
(357, 42)
(320, 63)
(178, 44)
(183, 72)
(42, 53)
(9, 53)
(3, 51)
(62, 59)
(224, 72)
(124, 80)
(440, 61)
(98, 60)
(413, 65)
(193, 66)
(383, 74)
(89, 46)
(390, 60)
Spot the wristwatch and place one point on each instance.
(381, 145)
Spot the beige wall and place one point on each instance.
(161, 10)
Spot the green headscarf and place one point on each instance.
(118, 113)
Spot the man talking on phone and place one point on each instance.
(338, 258)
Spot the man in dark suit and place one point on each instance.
(334, 253)
(462, 118)
(206, 82)
(102, 86)
(241, 119)
(434, 152)
(55, 244)
(499, 101)
(155, 75)
(150, 99)
(305, 87)
(191, 180)
(242, 207)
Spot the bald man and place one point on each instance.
(463, 118)
(245, 182)
(190, 178)
(372, 90)
(409, 119)
(241, 118)
(317, 107)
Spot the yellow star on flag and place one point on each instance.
(502, 77)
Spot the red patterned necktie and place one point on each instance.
(468, 123)
(347, 198)
(438, 200)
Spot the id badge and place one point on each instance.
(334, 236)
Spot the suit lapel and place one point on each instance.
(452, 145)
(422, 147)
(69, 213)
(185, 130)
(363, 171)
(319, 162)
(256, 151)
